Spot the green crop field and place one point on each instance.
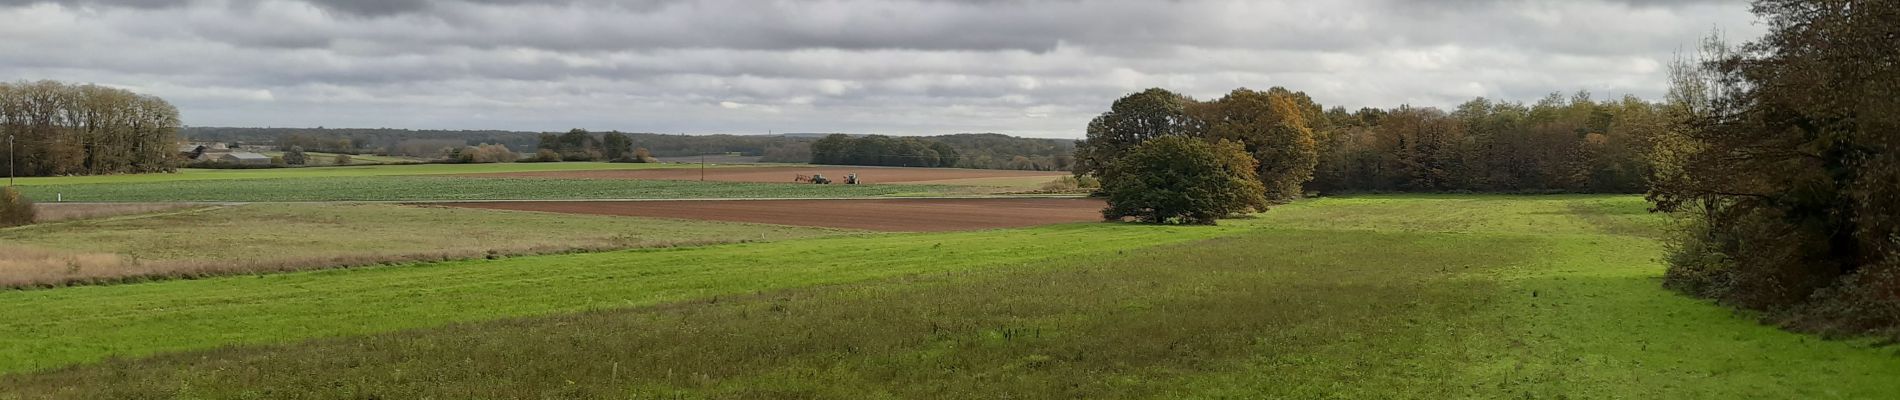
(1368, 297)
(423, 187)
(296, 236)
(189, 174)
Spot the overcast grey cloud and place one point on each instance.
(1027, 67)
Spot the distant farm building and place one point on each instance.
(191, 151)
(244, 158)
(203, 151)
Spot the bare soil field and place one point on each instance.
(785, 174)
(897, 215)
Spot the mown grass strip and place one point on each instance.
(60, 327)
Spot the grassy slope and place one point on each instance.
(1379, 297)
(350, 171)
(265, 237)
(417, 188)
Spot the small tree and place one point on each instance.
(15, 209)
(295, 156)
(1178, 179)
(342, 159)
(616, 146)
(641, 155)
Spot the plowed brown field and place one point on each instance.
(784, 174)
(898, 215)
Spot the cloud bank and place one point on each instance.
(1026, 67)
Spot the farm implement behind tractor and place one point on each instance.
(820, 179)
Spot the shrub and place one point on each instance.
(15, 208)
(1700, 266)
(544, 155)
(1067, 184)
(1087, 182)
(342, 159)
(483, 154)
(1177, 179)
(585, 155)
(295, 156)
(639, 155)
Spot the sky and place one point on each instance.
(903, 67)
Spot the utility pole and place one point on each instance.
(702, 166)
(11, 155)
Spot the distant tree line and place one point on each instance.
(984, 150)
(64, 129)
(996, 151)
(581, 145)
(1560, 144)
(793, 152)
(432, 143)
(880, 150)
(964, 150)
(360, 141)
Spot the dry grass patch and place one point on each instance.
(267, 238)
(55, 212)
(25, 265)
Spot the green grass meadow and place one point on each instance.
(1361, 297)
(59, 327)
